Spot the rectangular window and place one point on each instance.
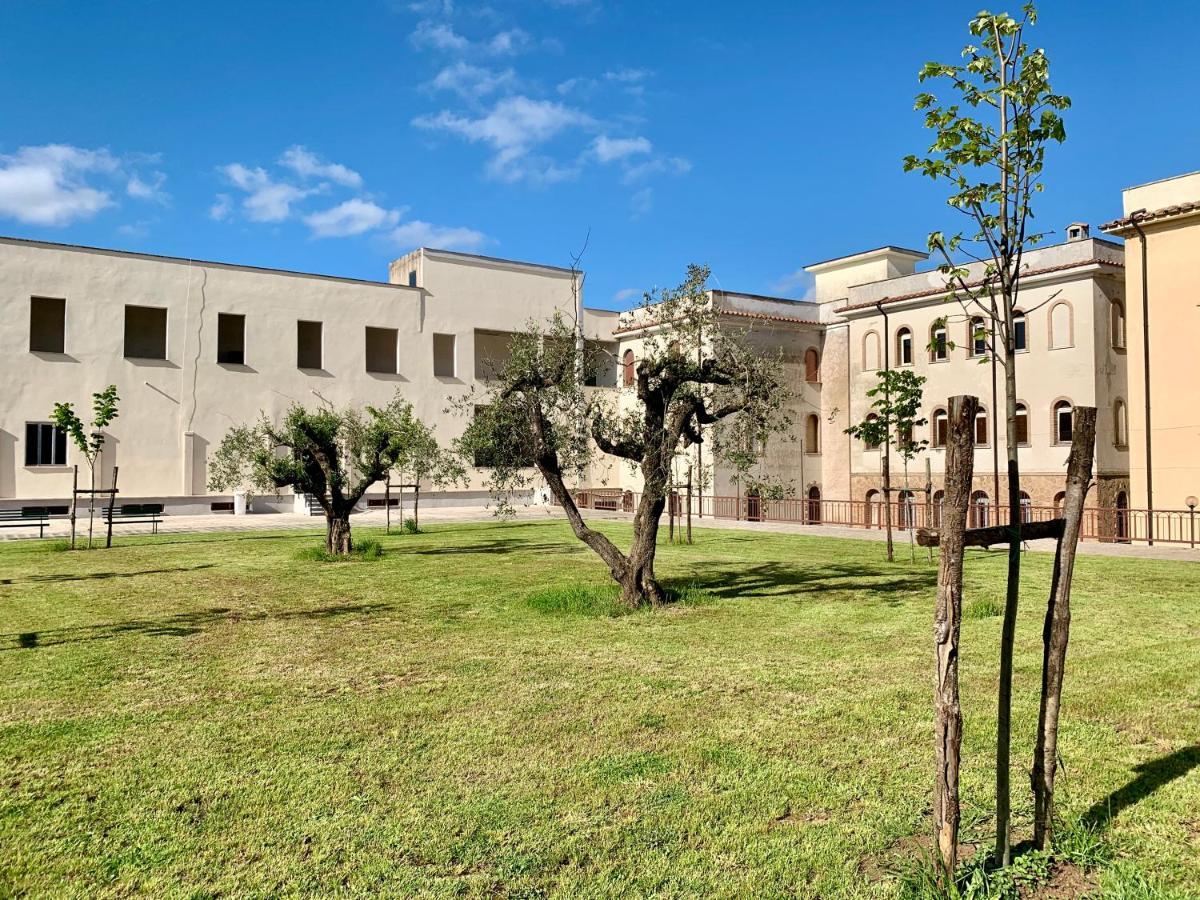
(382, 346)
(45, 445)
(47, 324)
(412, 277)
(444, 356)
(309, 341)
(231, 339)
(145, 332)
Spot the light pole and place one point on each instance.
(1191, 505)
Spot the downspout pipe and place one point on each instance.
(1134, 220)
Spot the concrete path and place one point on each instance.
(60, 528)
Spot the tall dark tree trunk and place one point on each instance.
(960, 460)
(1008, 628)
(639, 587)
(1057, 629)
(337, 533)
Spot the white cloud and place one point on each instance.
(350, 218)
(151, 189)
(797, 282)
(267, 200)
(309, 165)
(509, 43)
(641, 202)
(626, 294)
(221, 208)
(610, 149)
(472, 82)
(513, 128)
(438, 36)
(47, 185)
(626, 76)
(669, 165)
(422, 234)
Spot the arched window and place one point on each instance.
(904, 347)
(1122, 516)
(627, 368)
(1026, 507)
(1062, 326)
(1062, 422)
(1020, 332)
(941, 427)
(977, 336)
(1120, 424)
(1022, 423)
(812, 434)
(1116, 311)
(981, 428)
(1058, 503)
(980, 509)
(871, 417)
(906, 510)
(870, 350)
(939, 344)
(939, 502)
(812, 365)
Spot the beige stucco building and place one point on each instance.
(1161, 228)
(197, 346)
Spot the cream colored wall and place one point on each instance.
(1044, 375)
(1158, 194)
(1174, 267)
(190, 394)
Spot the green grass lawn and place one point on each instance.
(215, 715)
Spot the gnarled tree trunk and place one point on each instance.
(1056, 631)
(638, 584)
(337, 534)
(960, 460)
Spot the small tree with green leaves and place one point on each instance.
(331, 455)
(88, 440)
(425, 461)
(989, 149)
(695, 378)
(891, 425)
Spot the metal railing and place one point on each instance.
(1103, 524)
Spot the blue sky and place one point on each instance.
(332, 138)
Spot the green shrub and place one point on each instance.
(410, 526)
(982, 608)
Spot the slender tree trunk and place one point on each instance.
(960, 461)
(887, 501)
(1008, 630)
(337, 534)
(91, 504)
(1056, 631)
(417, 505)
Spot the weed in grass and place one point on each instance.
(1082, 844)
(579, 600)
(975, 879)
(410, 527)
(365, 550)
(982, 608)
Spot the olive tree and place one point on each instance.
(332, 455)
(989, 149)
(694, 378)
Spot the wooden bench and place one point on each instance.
(133, 515)
(18, 518)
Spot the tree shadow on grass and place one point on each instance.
(1151, 776)
(770, 579)
(501, 546)
(179, 625)
(100, 576)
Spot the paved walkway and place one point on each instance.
(60, 528)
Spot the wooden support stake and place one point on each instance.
(74, 503)
(960, 461)
(689, 505)
(995, 534)
(387, 507)
(111, 499)
(1056, 630)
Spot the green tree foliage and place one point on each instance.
(989, 150)
(695, 378)
(88, 440)
(331, 455)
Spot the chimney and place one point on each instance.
(1078, 231)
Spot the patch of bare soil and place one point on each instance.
(1067, 880)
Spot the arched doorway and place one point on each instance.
(905, 510)
(753, 506)
(873, 513)
(980, 510)
(814, 505)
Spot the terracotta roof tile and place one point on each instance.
(1166, 212)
